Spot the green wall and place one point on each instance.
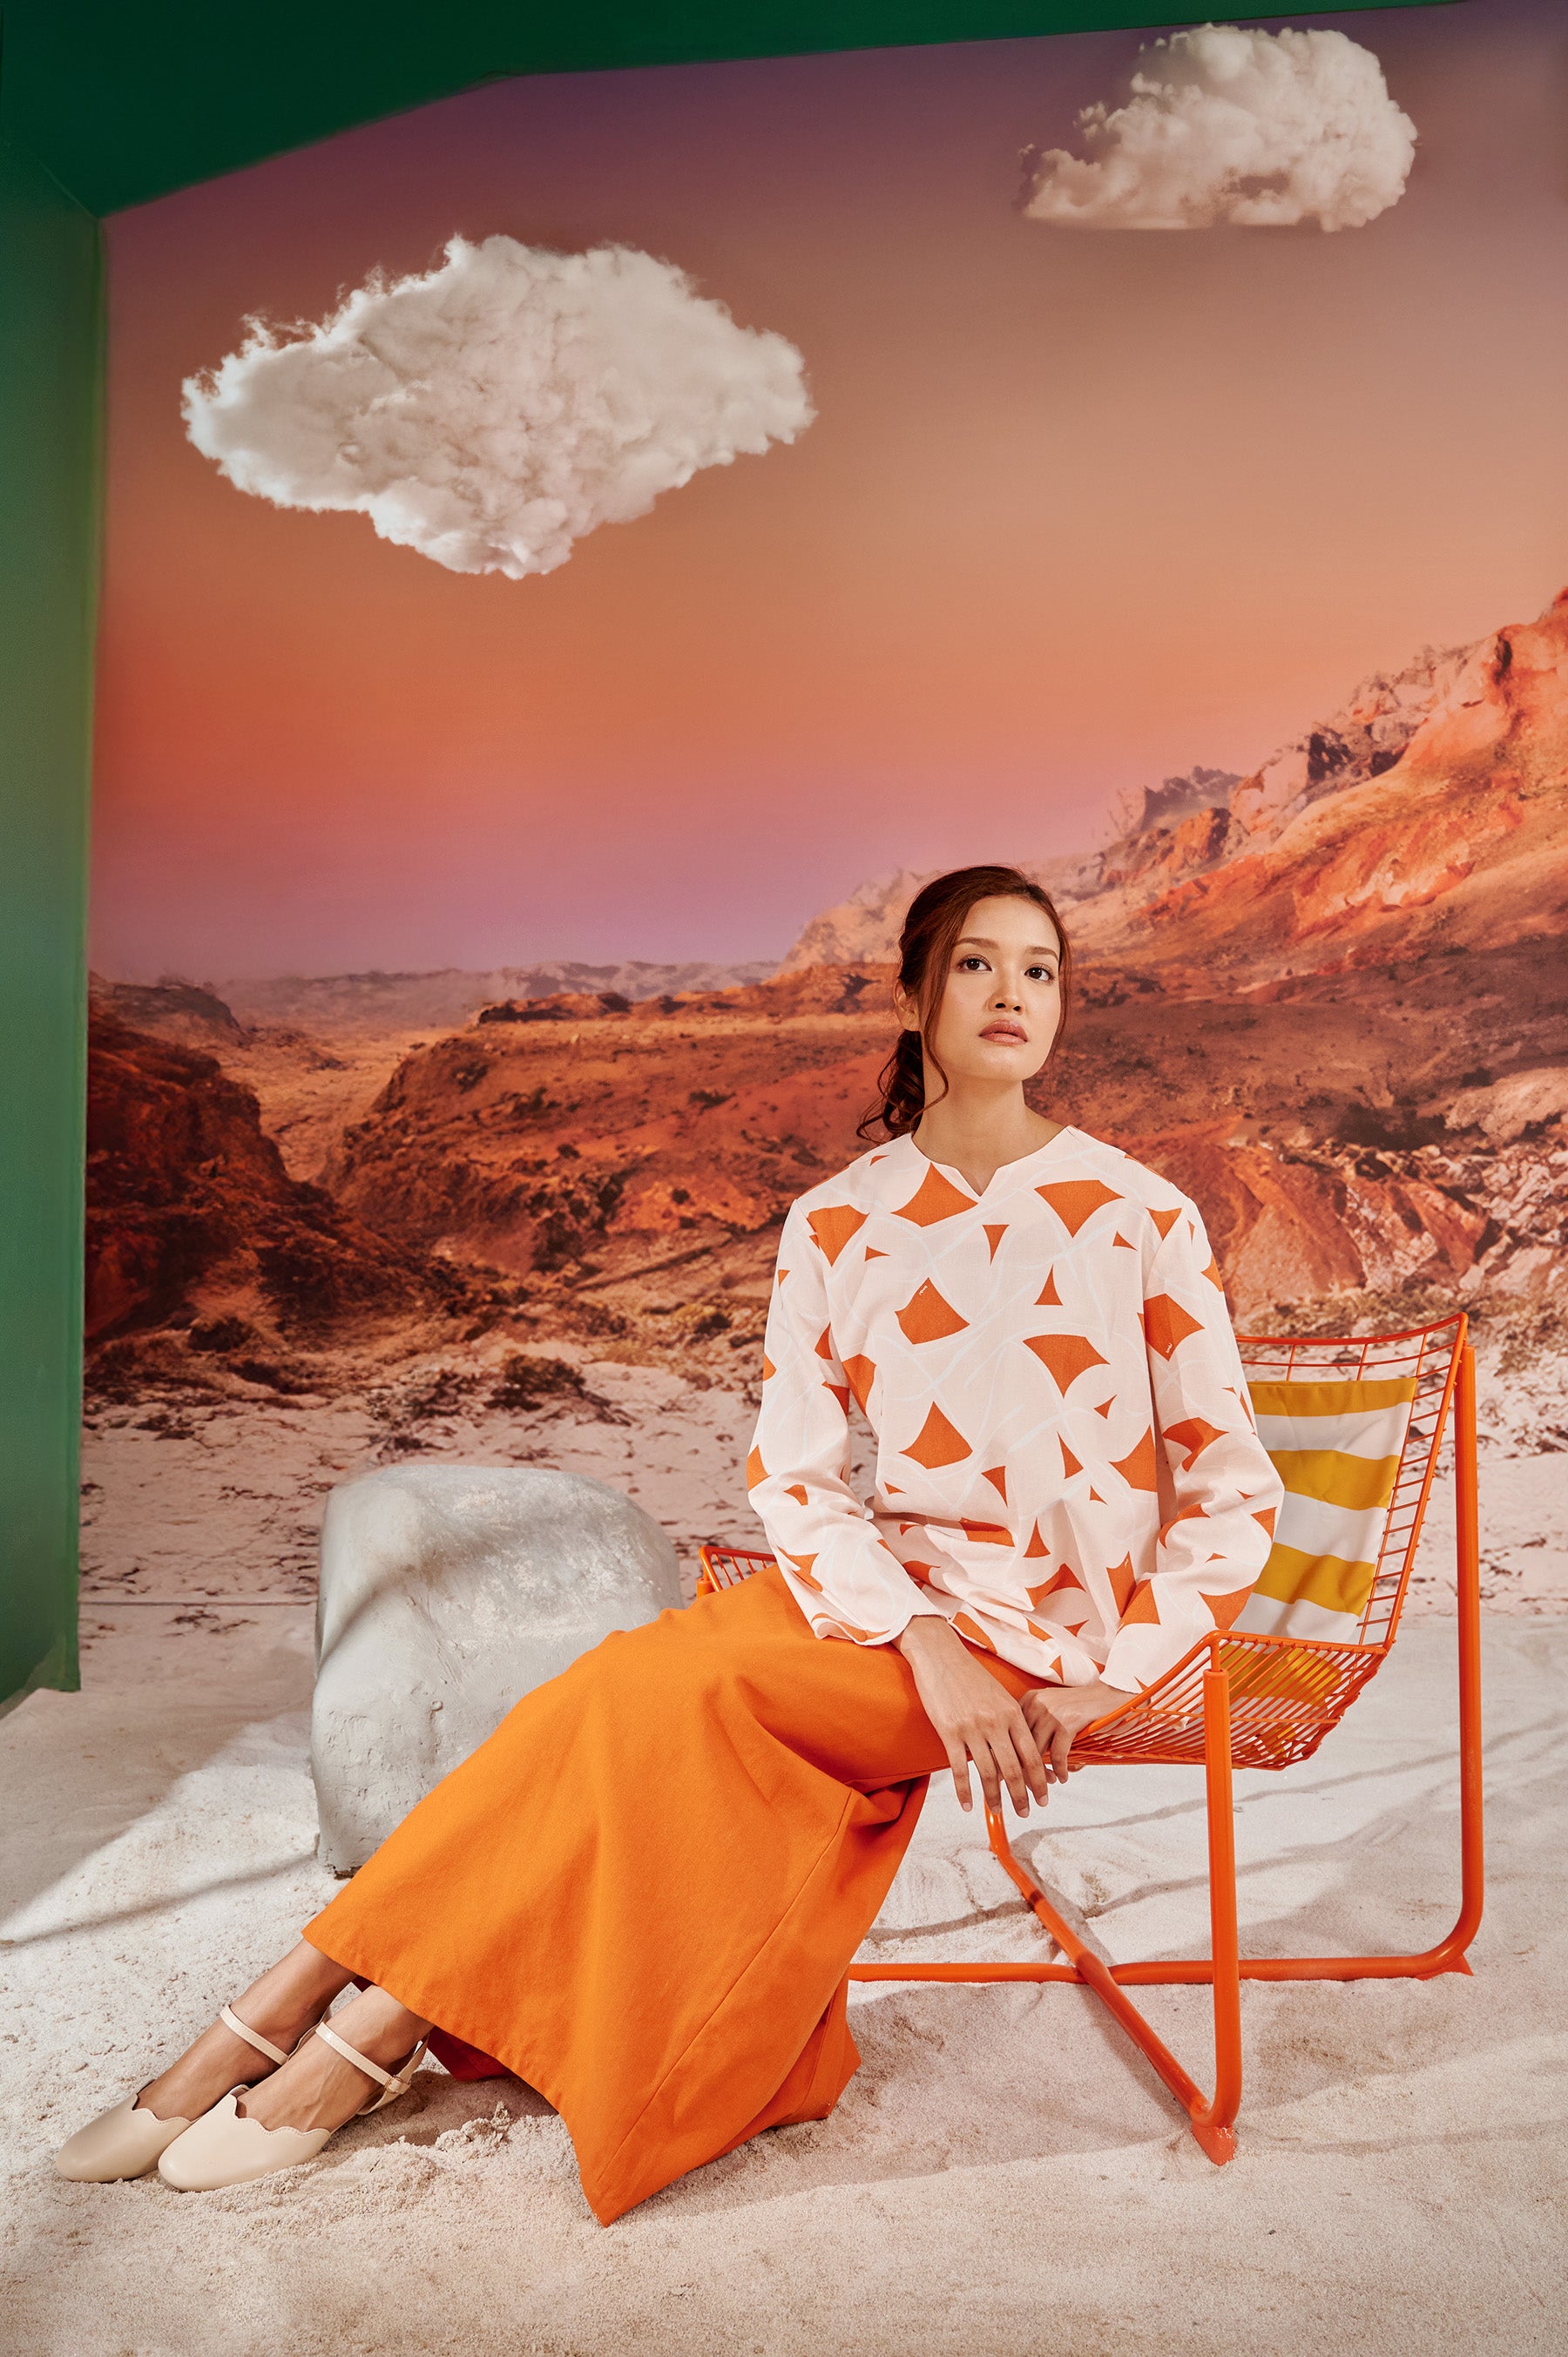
(50, 371)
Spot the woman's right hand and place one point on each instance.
(976, 1717)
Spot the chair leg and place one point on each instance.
(1213, 2123)
(1451, 1950)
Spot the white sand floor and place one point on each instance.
(1002, 2176)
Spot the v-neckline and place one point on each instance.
(950, 1169)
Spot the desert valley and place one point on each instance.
(530, 1215)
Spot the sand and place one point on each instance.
(1002, 2176)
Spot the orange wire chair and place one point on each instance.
(1240, 1700)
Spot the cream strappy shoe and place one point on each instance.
(224, 2149)
(129, 2141)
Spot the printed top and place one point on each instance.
(1067, 1465)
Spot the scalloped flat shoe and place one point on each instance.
(129, 2141)
(223, 2149)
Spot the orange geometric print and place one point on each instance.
(834, 1227)
(1117, 1548)
(927, 1318)
(935, 1198)
(1194, 1510)
(1074, 1200)
(802, 1564)
(1225, 1608)
(1123, 1580)
(973, 1630)
(1168, 1324)
(937, 1443)
(1139, 1467)
(755, 1470)
(1065, 1357)
(1194, 1434)
(1064, 1578)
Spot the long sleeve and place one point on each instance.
(1217, 1487)
(845, 1580)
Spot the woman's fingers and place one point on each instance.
(1061, 1746)
(1036, 1773)
(1005, 1754)
(958, 1761)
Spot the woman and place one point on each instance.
(643, 1892)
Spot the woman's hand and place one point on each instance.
(1056, 1713)
(976, 1719)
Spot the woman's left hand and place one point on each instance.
(1056, 1713)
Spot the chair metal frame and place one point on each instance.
(1242, 1700)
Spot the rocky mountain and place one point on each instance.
(194, 1227)
(1185, 826)
(863, 930)
(183, 1011)
(341, 1004)
(1339, 1016)
(1460, 842)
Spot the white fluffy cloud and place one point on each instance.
(492, 411)
(1227, 123)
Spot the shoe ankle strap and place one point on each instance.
(393, 2081)
(230, 2020)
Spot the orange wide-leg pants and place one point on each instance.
(642, 1894)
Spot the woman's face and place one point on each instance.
(1001, 1004)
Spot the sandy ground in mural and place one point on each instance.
(1002, 2176)
(201, 1504)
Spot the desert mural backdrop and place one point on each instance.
(579, 555)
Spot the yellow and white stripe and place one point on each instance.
(1336, 1448)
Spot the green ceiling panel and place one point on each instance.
(123, 102)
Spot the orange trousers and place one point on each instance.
(642, 1894)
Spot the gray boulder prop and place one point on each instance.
(447, 1592)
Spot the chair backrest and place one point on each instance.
(1353, 1425)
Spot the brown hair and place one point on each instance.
(931, 932)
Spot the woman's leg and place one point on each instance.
(643, 1891)
(316, 2088)
(280, 2007)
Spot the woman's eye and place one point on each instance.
(1041, 974)
(971, 965)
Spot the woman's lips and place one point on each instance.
(1015, 1031)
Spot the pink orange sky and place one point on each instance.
(1078, 511)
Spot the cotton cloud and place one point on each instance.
(1225, 124)
(492, 411)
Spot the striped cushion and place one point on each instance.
(1336, 1448)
